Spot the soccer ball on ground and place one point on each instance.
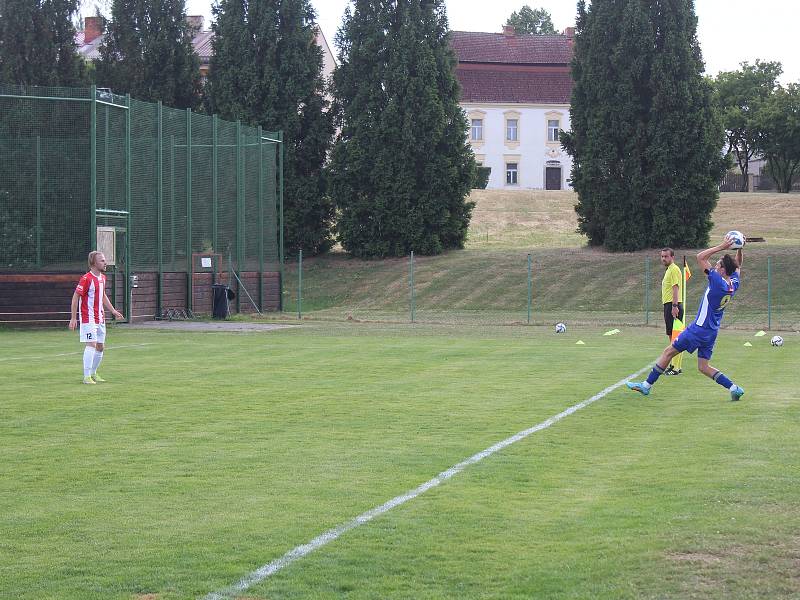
(776, 340)
(738, 239)
(561, 328)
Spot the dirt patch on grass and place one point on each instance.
(770, 567)
(695, 557)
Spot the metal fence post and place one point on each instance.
(93, 169)
(300, 285)
(105, 156)
(172, 202)
(38, 201)
(128, 220)
(160, 200)
(411, 287)
(280, 192)
(189, 265)
(769, 292)
(214, 183)
(260, 218)
(530, 288)
(647, 290)
(239, 208)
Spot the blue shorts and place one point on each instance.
(696, 338)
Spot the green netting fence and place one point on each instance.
(577, 286)
(167, 184)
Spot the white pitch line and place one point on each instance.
(74, 353)
(299, 552)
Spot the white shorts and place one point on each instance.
(93, 333)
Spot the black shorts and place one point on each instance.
(668, 319)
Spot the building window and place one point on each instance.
(512, 130)
(511, 173)
(476, 132)
(553, 125)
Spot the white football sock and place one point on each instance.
(88, 360)
(98, 356)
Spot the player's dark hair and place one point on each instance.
(729, 264)
(670, 250)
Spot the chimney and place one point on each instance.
(195, 23)
(569, 33)
(508, 31)
(92, 29)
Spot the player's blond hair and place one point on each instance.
(92, 256)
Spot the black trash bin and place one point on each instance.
(222, 296)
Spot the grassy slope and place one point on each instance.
(569, 281)
(209, 455)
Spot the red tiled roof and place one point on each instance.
(515, 86)
(471, 46)
(201, 42)
(202, 45)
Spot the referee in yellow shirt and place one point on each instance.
(671, 294)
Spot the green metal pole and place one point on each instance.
(160, 198)
(530, 287)
(128, 232)
(769, 292)
(105, 158)
(93, 169)
(647, 291)
(172, 202)
(189, 265)
(260, 219)
(279, 151)
(214, 182)
(280, 191)
(38, 201)
(411, 286)
(300, 285)
(239, 207)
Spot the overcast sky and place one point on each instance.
(730, 31)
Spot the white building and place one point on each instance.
(516, 92)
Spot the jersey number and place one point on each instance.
(88, 336)
(724, 302)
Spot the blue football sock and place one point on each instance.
(722, 380)
(654, 374)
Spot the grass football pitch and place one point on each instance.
(209, 455)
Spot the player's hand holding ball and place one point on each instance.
(736, 239)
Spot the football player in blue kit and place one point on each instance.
(723, 281)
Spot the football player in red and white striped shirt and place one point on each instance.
(90, 296)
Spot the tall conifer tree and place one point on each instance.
(646, 141)
(37, 43)
(401, 167)
(267, 70)
(147, 52)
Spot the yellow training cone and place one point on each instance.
(580, 343)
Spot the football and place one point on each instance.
(738, 238)
(561, 328)
(776, 340)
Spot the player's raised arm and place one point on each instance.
(702, 257)
(739, 258)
